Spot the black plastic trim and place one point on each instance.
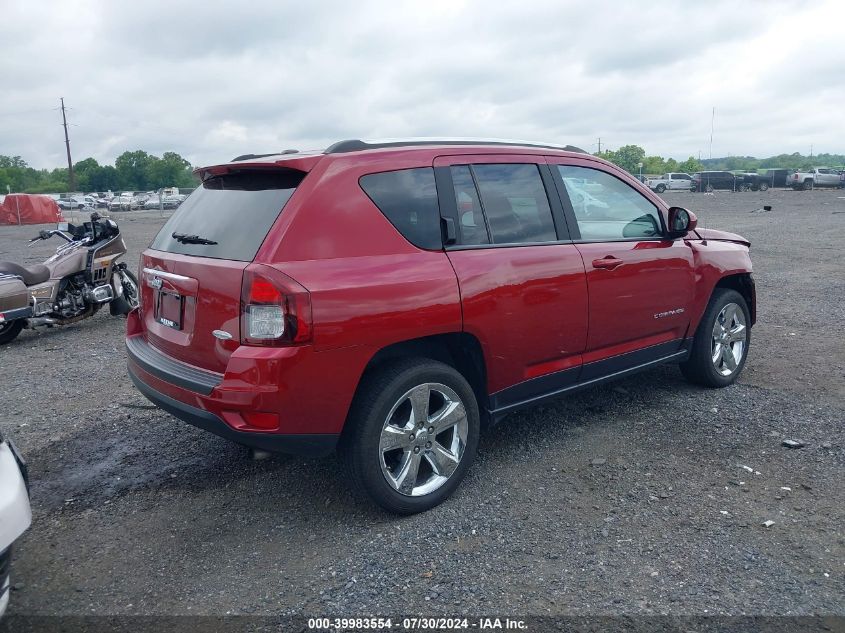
(561, 383)
(254, 156)
(356, 145)
(17, 313)
(169, 370)
(311, 445)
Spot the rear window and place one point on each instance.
(231, 214)
(408, 198)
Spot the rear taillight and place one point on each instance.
(275, 309)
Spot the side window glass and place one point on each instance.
(515, 203)
(408, 198)
(607, 208)
(473, 229)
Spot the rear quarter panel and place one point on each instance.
(369, 286)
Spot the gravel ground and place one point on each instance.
(645, 497)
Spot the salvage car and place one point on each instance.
(709, 181)
(670, 181)
(15, 512)
(391, 299)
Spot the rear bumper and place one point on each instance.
(298, 444)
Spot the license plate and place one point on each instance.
(169, 310)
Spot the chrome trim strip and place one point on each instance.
(166, 275)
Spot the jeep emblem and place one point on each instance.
(155, 282)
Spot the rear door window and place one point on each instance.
(228, 216)
(408, 198)
(513, 201)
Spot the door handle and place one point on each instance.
(608, 262)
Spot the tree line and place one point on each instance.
(629, 157)
(132, 171)
(140, 171)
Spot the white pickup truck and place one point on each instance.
(670, 181)
(816, 177)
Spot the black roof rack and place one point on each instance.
(355, 145)
(253, 156)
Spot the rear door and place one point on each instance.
(192, 273)
(640, 283)
(521, 279)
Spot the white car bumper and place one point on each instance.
(15, 513)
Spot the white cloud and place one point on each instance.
(212, 80)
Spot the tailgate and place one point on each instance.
(185, 300)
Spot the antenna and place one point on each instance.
(712, 121)
(67, 146)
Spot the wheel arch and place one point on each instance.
(459, 350)
(743, 283)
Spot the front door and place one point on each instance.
(640, 283)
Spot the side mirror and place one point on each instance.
(681, 221)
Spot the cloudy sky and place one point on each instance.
(211, 80)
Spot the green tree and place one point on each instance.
(690, 166)
(132, 169)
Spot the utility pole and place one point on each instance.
(600, 145)
(67, 146)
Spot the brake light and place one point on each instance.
(275, 309)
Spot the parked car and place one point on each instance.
(388, 299)
(670, 181)
(15, 512)
(751, 181)
(816, 177)
(842, 179)
(712, 180)
(66, 204)
(774, 177)
(120, 203)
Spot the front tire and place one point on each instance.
(660, 188)
(411, 435)
(764, 186)
(10, 330)
(721, 343)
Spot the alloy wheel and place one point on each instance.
(730, 334)
(423, 439)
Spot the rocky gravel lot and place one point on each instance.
(645, 497)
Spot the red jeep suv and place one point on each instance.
(389, 299)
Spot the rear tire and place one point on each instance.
(709, 188)
(411, 435)
(721, 342)
(10, 330)
(807, 186)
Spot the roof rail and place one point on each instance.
(252, 156)
(355, 145)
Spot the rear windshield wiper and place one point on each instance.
(191, 239)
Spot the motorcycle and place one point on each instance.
(73, 284)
